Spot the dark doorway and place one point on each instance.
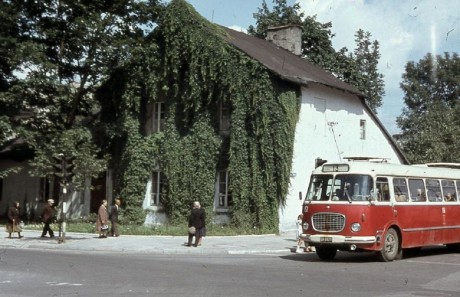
(98, 193)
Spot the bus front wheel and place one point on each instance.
(326, 253)
(390, 249)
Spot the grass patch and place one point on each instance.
(87, 225)
(166, 230)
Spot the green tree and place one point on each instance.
(359, 68)
(316, 37)
(368, 80)
(65, 51)
(8, 39)
(430, 121)
(9, 109)
(282, 14)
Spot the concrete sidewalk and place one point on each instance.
(88, 242)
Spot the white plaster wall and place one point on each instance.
(314, 138)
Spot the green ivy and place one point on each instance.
(189, 66)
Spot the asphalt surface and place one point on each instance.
(251, 244)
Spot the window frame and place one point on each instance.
(156, 188)
(224, 116)
(223, 198)
(433, 190)
(158, 116)
(448, 189)
(400, 189)
(362, 129)
(416, 184)
(383, 195)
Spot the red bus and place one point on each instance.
(366, 205)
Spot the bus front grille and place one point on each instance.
(328, 222)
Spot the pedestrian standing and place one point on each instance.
(102, 220)
(301, 245)
(298, 233)
(13, 220)
(47, 218)
(114, 218)
(197, 219)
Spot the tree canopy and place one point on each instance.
(430, 121)
(359, 68)
(55, 55)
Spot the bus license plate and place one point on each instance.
(325, 239)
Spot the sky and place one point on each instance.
(406, 30)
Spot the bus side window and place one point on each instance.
(448, 190)
(458, 190)
(386, 193)
(433, 189)
(400, 190)
(417, 190)
(383, 190)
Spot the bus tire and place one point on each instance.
(453, 247)
(326, 253)
(390, 250)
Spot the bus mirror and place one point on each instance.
(300, 195)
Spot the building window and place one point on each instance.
(157, 187)
(158, 117)
(44, 189)
(224, 196)
(362, 127)
(224, 117)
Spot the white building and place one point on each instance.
(334, 121)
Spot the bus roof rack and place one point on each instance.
(369, 159)
(444, 165)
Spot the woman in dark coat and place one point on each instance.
(197, 219)
(14, 219)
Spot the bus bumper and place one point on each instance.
(337, 239)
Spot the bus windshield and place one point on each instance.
(344, 187)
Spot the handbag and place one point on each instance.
(192, 230)
(105, 227)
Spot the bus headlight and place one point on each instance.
(305, 226)
(356, 227)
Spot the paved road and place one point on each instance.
(44, 273)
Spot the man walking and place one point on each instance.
(114, 218)
(47, 218)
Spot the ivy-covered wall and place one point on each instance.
(191, 68)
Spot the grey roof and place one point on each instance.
(295, 69)
(285, 64)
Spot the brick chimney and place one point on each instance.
(287, 36)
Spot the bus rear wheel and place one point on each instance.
(326, 253)
(390, 248)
